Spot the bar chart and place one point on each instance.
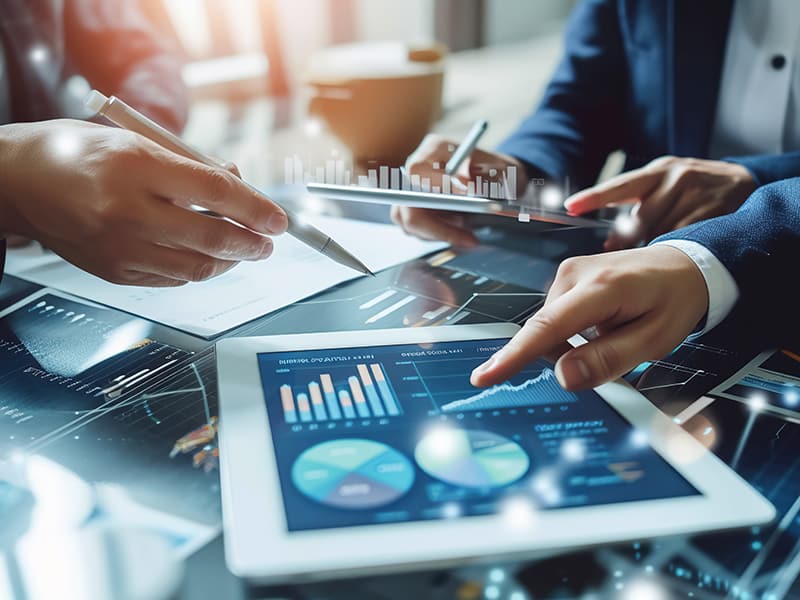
(500, 185)
(361, 391)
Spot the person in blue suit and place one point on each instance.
(643, 302)
(702, 97)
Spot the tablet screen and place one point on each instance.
(377, 435)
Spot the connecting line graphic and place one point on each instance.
(106, 408)
(746, 579)
(751, 419)
(201, 388)
(694, 373)
(477, 294)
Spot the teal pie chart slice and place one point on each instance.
(471, 458)
(353, 474)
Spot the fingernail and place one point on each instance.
(266, 250)
(572, 373)
(277, 222)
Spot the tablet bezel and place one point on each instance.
(452, 202)
(259, 546)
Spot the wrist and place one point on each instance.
(9, 155)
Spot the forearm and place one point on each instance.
(579, 119)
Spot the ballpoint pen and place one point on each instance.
(116, 111)
(466, 147)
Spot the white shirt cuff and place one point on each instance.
(722, 289)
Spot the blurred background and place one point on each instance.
(250, 65)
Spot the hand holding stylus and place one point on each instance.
(117, 205)
(430, 160)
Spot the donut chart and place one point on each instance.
(352, 474)
(471, 458)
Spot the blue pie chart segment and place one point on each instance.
(353, 474)
(471, 458)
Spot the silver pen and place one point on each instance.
(466, 147)
(116, 111)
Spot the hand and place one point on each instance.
(429, 160)
(642, 302)
(670, 193)
(118, 205)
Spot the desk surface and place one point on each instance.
(761, 447)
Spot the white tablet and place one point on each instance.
(369, 451)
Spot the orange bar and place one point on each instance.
(377, 372)
(327, 383)
(364, 372)
(287, 399)
(355, 389)
(316, 395)
(344, 398)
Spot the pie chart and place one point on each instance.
(471, 458)
(353, 473)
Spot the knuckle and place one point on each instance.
(203, 271)
(664, 161)
(543, 320)
(219, 184)
(605, 362)
(569, 267)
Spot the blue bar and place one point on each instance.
(372, 393)
(305, 409)
(386, 391)
(347, 405)
(330, 397)
(317, 403)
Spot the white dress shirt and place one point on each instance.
(758, 112)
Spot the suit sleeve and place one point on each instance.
(766, 168)
(759, 245)
(579, 120)
(121, 53)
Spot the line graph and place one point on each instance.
(539, 391)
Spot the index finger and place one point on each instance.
(549, 328)
(625, 188)
(218, 190)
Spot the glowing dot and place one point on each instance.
(443, 443)
(573, 450)
(757, 403)
(618, 574)
(492, 592)
(524, 218)
(639, 438)
(643, 589)
(77, 437)
(65, 145)
(625, 224)
(649, 568)
(497, 575)
(756, 545)
(518, 513)
(791, 398)
(552, 197)
(38, 54)
(619, 585)
(313, 127)
(451, 510)
(546, 487)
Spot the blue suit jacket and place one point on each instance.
(640, 76)
(759, 244)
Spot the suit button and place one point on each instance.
(778, 61)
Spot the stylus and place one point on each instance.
(116, 111)
(466, 147)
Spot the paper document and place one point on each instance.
(246, 292)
